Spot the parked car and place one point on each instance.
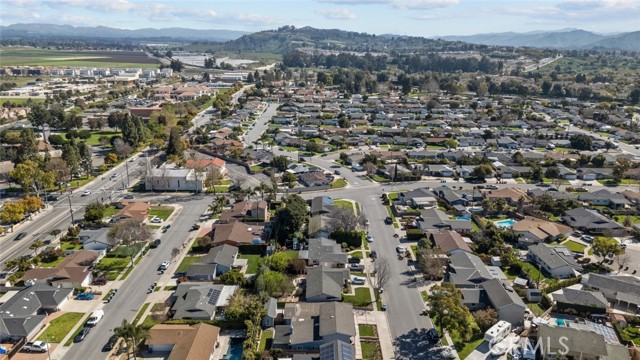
(195, 227)
(165, 228)
(587, 238)
(156, 220)
(358, 280)
(492, 187)
(81, 335)
(113, 340)
(129, 196)
(369, 238)
(400, 249)
(95, 318)
(356, 267)
(337, 172)
(354, 260)
(164, 265)
(388, 220)
(384, 307)
(84, 296)
(99, 281)
(36, 346)
(155, 243)
(373, 254)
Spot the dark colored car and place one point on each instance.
(165, 228)
(82, 334)
(388, 220)
(374, 255)
(20, 236)
(155, 243)
(354, 260)
(113, 340)
(99, 281)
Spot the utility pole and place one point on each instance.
(70, 207)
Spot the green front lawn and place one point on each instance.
(113, 264)
(370, 350)
(61, 326)
(344, 204)
(425, 295)
(126, 251)
(622, 182)
(536, 309)
(469, 347)
(362, 297)
(339, 183)
(393, 196)
(366, 330)
(265, 339)
(110, 211)
(67, 245)
(149, 321)
(253, 262)
(378, 178)
(634, 219)
(52, 263)
(163, 212)
(188, 260)
(574, 246)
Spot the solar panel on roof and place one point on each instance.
(213, 296)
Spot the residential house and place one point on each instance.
(579, 302)
(510, 195)
(450, 196)
(310, 325)
(573, 343)
(23, 315)
(95, 239)
(566, 173)
(207, 165)
(137, 210)
(236, 233)
(467, 270)
(218, 261)
(590, 220)
(324, 252)
(298, 169)
(618, 289)
(505, 300)
(434, 219)
(449, 242)
(556, 261)
(325, 284)
(439, 170)
(183, 341)
(71, 272)
(555, 195)
(418, 198)
(533, 230)
(246, 211)
(604, 197)
(316, 178)
(321, 205)
(175, 179)
(632, 196)
(590, 174)
(507, 143)
(200, 301)
(271, 308)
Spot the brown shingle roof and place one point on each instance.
(73, 268)
(235, 233)
(191, 342)
(449, 241)
(134, 210)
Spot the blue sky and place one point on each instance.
(404, 17)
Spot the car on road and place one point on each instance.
(587, 238)
(369, 238)
(492, 187)
(36, 346)
(373, 255)
(337, 172)
(82, 334)
(388, 220)
(20, 236)
(165, 228)
(84, 296)
(164, 265)
(155, 243)
(113, 340)
(86, 193)
(335, 166)
(129, 196)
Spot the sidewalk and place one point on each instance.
(379, 319)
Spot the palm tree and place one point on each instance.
(124, 331)
(217, 204)
(261, 189)
(132, 334)
(138, 334)
(36, 245)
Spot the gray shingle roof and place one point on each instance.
(580, 341)
(500, 295)
(467, 269)
(581, 297)
(554, 256)
(222, 255)
(326, 281)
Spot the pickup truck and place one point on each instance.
(36, 346)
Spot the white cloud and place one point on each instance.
(255, 19)
(337, 14)
(96, 5)
(578, 11)
(399, 4)
(20, 3)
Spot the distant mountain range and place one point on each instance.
(51, 30)
(563, 39)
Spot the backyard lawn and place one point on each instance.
(574, 246)
(253, 262)
(265, 339)
(630, 333)
(188, 260)
(61, 326)
(634, 219)
(362, 297)
(163, 212)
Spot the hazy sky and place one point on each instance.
(404, 17)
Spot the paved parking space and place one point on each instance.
(34, 356)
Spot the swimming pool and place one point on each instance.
(560, 322)
(235, 349)
(505, 223)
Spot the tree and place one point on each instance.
(451, 144)
(174, 252)
(29, 175)
(346, 220)
(243, 307)
(634, 95)
(581, 142)
(51, 254)
(485, 318)
(289, 219)
(552, 172)
(36, 245)
(480, 172)
(606, 247)
(598, 160)
(94, 212)
(429, 262)
(214, 178)
(71, 156)
(218, 204)
(176, 65)
(111, 158)
(273, 283)
(175, 145)
(383, 273)
(233, 277)
(128, 232)
(289, 179)
(28, 149)
(32, 203)
(11, 213)
(132, 334)
(278, 261)
(280, 162)
(620, 169)
(447, 310)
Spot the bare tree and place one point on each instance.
(383, 273)
(429, 262)
(128, 232)
(346, 220)
(174, 252)
(622, 260)
(122, 148)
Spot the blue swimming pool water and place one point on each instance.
(560, 322)
(505, 223)
(463, 218)
(235, 349)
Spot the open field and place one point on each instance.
(17, 100)
(45, 57)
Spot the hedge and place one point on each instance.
(351, 238)
(415, 234)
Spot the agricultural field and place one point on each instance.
(46, 57)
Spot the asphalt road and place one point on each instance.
(260, 126)
(58, 214)
(132, 293)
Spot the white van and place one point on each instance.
(497, 332)
(95, 317)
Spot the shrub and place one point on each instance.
(414, 234)
(351, 238)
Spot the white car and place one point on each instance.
(358, 281)
(587, 238)
(369, 238)
(499, 349)
(86, 193)
(156, 220)
(164, 265)
(400, 250)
